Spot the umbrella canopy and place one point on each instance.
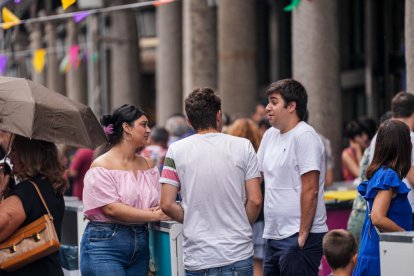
(34, 111)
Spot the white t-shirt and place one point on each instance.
(405, 180)
(283, 158)
(211, 170)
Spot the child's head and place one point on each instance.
(340, 249)
(392, 149)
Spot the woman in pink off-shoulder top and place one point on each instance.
(121, 194)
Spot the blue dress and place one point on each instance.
(399, 212)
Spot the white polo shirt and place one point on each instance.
(283, 158)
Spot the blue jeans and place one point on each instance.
(114, 249)
(285, 257)
(240, 268)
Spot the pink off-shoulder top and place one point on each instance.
(103, 186)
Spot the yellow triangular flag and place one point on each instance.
(67, 3)
(39, 60)
(9, 19)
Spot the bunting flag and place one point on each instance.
(39, 60)
(94, 57)
(73, 56)
(64, 65)
(67, 3)
(9, 19)
(291, 6)
(79, 16)
(3, 64)
(161, 2)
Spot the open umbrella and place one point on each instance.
(34, 111)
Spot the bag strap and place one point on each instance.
(42, 199)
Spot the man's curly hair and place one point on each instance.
(201, 107)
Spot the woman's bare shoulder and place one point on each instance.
(103, 161)
(145, 162)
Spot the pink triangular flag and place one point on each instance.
(73, 57)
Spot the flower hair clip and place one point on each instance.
(109, 129)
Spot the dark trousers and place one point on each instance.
(284, 257)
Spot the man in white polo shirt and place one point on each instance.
(291, 158)
(219, 182)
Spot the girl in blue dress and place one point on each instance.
(388, 209)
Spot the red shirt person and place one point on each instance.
(78, 168)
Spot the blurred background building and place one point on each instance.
(352, 56)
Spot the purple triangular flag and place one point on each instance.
(79, 16)
(3, 64)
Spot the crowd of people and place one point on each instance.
(250, 190)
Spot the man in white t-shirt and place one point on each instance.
(291, 158)
(219, 181)
(402, 108)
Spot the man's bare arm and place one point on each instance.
(169, 204)
(254, 199)
(308, 204)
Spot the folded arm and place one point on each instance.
(128, 214)
(12, 215)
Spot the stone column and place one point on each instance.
(280, 48)
(76, 76)
(54, 80)
(409, 44)
(200, 45)
(36, 43)
(371, 52)
(94, 88)
(125, 60)
(316, 66)
(169, 77)
(237, 52)
(21, 43)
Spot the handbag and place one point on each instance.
(30, 243)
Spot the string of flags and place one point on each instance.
(10, 19)
(75, 54)
(71, 60)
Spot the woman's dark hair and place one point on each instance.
(113, 123)
(353, 129)
(368, 125)
(201, 107)
(392, 149)
(40, 157)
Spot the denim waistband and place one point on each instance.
(128, 226)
